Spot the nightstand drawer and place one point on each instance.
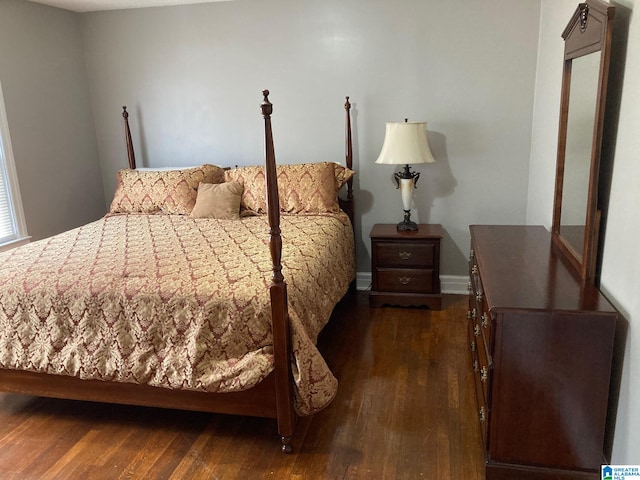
(415, 255)
(405, 280)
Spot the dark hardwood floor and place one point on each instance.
(405, 410)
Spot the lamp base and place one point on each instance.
(407, 225)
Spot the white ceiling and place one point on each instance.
(97, 5)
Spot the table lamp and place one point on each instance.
(405, 143)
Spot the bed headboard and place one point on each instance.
(346, 204)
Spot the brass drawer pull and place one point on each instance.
(476, 366)
(479, 297)
(476, 330)
(484, 374)
(485, 320)
(482, 415)
(404, 280)
(468, 287)
(474, 270)
(473, 346)
(404, 255)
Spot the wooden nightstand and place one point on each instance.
(405, 266)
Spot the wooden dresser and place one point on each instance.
(541, 349)
(405, 266)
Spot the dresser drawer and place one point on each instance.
(415, 255)
(486, 322)
(482, 405)
(405, 280)
(485, 364)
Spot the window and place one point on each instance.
(13, 229)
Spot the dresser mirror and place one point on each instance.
(576, 220)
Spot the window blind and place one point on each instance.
(7, 222)
(13, 229)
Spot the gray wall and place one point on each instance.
(192, 75)
(46, 96)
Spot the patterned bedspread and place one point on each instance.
(174, 302)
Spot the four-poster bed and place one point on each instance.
(291, 377)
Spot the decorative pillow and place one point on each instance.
(252, 180)
(165, 191)
(343, 175)
(303, 188)
(218, 200)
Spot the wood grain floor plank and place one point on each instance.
(40, 448)
(149, 454)
(65, 465)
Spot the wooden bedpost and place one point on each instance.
(349, 160)
(278, 292)
(127, 136)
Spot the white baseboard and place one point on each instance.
(454, 284)
(363, 281)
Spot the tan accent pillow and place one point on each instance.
(164, 191)
(218, 200)
(303, 188)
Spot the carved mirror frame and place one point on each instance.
(588, 33)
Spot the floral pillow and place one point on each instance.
(343, 175)
(302, 188)
(162, 191)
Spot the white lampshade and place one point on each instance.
(405, 143)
